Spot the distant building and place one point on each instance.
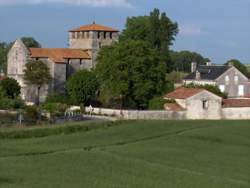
(198, 103)
(228, 78)
(84, 45)
(201, 104)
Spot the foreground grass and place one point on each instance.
(135, 154)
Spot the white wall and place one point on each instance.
(236, 113)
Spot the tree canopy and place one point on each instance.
(156, 29)
(10, 87)
(30, 42)
(82, 87)
(37, 73)
(130, 74)
(182, 60)
(240, 66)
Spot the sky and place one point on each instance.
(218, 29)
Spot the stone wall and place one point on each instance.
(138, 114)
(225, 113)
(236, 113)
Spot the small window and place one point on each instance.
(111, 35)
(98, 35)
(205, 104)
(222, 88)
(241, 90)
(236, 79)
(227, 80)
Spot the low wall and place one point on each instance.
(236, 113)
(138, 114)
(225, 113)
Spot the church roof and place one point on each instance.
(94, 27)
(58, 55)
(183, 93)
(208, 72)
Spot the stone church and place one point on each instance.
(84, 44)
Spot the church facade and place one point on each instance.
(84, 44)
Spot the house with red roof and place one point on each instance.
(202, 104)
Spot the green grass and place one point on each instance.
(145, 154)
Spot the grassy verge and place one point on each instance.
(48, 130)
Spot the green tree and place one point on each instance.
(82, 87)
(3, 55)
(37, 73)
(240, 66)
(182, 60)
(30, 42)
(156, 29)
(10, 87)
(130, 74)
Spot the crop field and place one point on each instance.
(143, 154)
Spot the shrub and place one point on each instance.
(157, 103)
(31, 112)
(8, 104)
(10, 87)
(55, 109)
(57, 98)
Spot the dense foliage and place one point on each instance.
(37, 73)
(182, 60)
(240, 66)
(130, 74)
(10, 87)
(157, 103)
(82, 87)
(211, 88)
(156, 29)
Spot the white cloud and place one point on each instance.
(97, 3)
(191, 30)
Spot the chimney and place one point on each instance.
(193, 67)
(197, 75)
(209, 63)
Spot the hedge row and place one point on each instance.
(48, 131)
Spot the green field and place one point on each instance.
(150, 154)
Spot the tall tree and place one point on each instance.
(240, 66)
(156, 29)
(130, 74)
(37, 73)
(82, 87)
(30, 42)
(182, 60)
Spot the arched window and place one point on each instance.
(236, 79)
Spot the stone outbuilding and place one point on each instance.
(198, 103)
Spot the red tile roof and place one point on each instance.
(59, 55)
(234, 103)
(183, 93)
(173, 107)
(94, 27)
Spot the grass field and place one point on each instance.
(152, 154)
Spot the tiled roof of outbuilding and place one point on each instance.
(94, 27)
(183, 93)
(209, 72)
(235, 103)
(173, 107)
(59, 55)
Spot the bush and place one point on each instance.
(55, 109)
(57, 98)
(10, 87)
(157, 103)
(31, 112)
(9, 104)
